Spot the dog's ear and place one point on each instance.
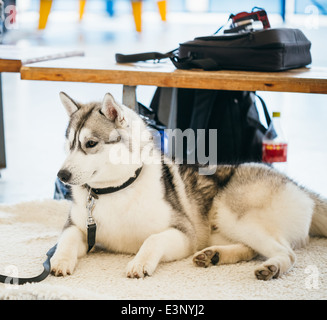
(70, 105)
(113, 111)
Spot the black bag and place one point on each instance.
(262, 50)
(233, 113)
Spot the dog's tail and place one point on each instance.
(319, 218)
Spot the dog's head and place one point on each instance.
(101, 143)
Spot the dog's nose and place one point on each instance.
(64, 175)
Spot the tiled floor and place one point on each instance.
(35, 121)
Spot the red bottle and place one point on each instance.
(274, 145)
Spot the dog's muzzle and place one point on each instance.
(64, 175)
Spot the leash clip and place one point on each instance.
(90, 221)
(90, 204)
(91, 225)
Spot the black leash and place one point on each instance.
(39, 278)
(91, 232)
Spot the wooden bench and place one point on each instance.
(12, 58)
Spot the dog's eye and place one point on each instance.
(91, 144)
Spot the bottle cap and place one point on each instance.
(276, 114)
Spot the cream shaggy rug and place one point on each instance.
(28, 230)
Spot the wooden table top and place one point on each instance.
(99, 70)
(13, 57)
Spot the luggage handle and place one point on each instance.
(226, 36)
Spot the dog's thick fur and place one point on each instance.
(170, 211)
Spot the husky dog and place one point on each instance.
(164, 212)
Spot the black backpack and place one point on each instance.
(233, 113)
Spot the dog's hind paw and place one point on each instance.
(267, 272)
(206, 257)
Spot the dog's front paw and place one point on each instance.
(62, 265)
(138, 269)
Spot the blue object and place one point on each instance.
(62, 191)
(110, 7)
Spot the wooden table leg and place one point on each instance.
(2, 132)
(129, 97)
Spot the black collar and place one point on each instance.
(95, 192)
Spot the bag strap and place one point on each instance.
(179, 63)
(145, 56)
(256, 123)
(265, 110)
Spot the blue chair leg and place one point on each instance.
(110, 7)
(283, 9)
